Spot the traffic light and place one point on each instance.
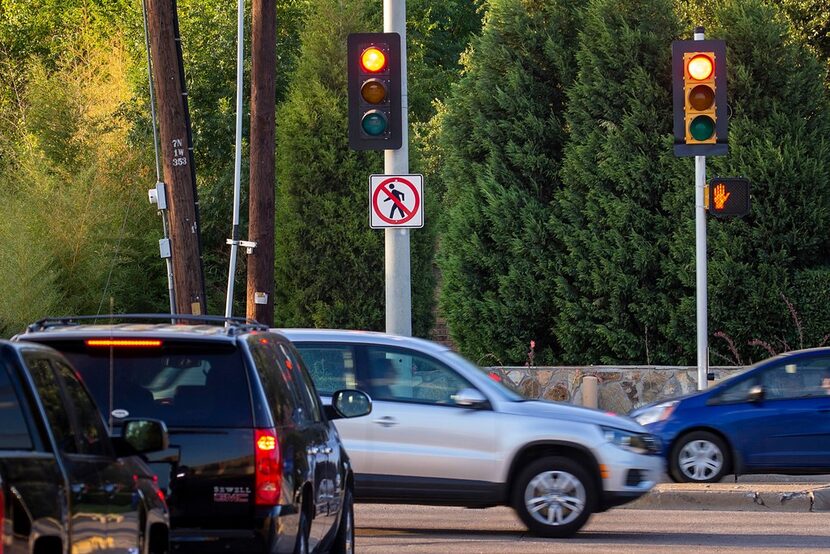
(699, 97)
(374, 68)
(728, 196)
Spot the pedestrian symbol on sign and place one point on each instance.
(397, 201)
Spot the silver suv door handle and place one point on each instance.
(386, 421)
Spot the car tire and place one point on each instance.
(344, 540)
(303, 531)
(699, 457)
(554, 497)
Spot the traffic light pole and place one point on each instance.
(700, 255)
(396, 162)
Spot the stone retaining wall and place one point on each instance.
(620, 389)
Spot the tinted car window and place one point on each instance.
(799, 378)
(396, 374)
(738, 392)
(281, 398)
(14, 434)
(186, 384)
(53, 403)
(331, 366)
(92, 435)
(301, 379)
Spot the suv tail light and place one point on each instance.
(268, 467)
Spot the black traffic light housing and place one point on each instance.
(728, 196)
(699, 98)
(374, 67)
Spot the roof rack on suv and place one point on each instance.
(233, 325)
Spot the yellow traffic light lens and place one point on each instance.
(373, 60)
(701, 97)
(701, 67)
(373, 91)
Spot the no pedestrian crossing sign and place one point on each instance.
(396, 201)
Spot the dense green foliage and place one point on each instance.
(618, 168)
(558, 210)
(502, 142)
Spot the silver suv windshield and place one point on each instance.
(505, 389)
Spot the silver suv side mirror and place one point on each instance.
(470, 398)
(349, 403)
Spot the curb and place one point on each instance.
(742, 498)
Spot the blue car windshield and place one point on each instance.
(500, 385)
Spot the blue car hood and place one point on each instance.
(568, 412)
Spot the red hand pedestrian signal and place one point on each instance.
(728, 196)
(721, 196)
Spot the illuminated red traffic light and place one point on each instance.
(699, 97)
(374, 85)
(373, 60)
(701, 67)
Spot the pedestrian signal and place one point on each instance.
(728, 196)
(699, 97)
(374, 67)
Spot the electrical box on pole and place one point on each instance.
(699, 98)
(374, 76)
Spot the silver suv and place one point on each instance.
(444, 432)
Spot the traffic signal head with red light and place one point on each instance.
(374, 67)
(699, 97)
(728, 196)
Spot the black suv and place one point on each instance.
(254, 463)
(64, 485)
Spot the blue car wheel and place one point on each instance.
(699, 457)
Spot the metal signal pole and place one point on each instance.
(396, 162)
(177, 157)
(700, 256)
(260, 296)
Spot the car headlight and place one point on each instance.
(641, 443)
(660, 412)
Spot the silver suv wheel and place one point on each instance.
(555, 498)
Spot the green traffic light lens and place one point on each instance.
(374, 123)
(702, 97)
(702, 127)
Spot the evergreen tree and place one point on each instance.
(610, 216)
(778, 139)
(502, 138)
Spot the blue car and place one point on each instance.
(772, 418)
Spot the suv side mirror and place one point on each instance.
(349, 403)
(756, 394)
(140, 436)
(469, 398)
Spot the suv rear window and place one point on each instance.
(186, 384)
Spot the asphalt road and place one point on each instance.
(427, 529)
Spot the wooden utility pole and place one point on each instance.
(260, 296)
(177, 157)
